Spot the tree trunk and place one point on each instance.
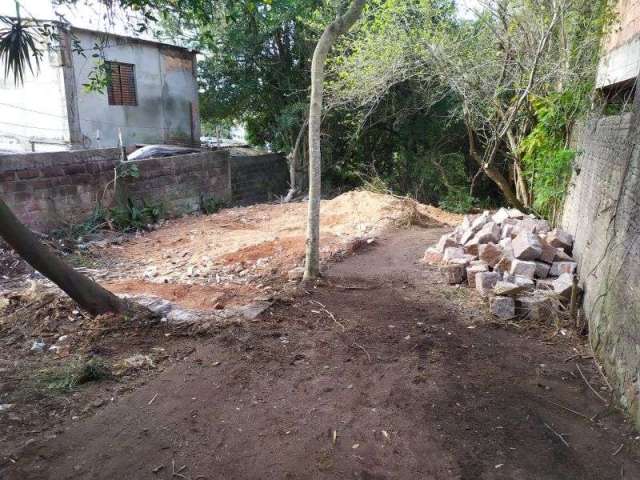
(294, 162)
(87, 293)
(492, 172)
(339, 26)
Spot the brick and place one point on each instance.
(508, 289)
(558, 268)
(28, 173)
(500, 216)
(473, 270)
(558, 238)
(536, 307)
(563, 285)
(445, 242)
(453, 252)
(526, 246)
(485, 281)
(503, 308)
(472, 247)
(523, 268)
(542, 270)
(453, 274)
(489, 233)
(548, 253)
(432, 256)
(490, 253)
(515, 213)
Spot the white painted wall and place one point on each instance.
(36, 111)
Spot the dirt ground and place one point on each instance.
(381, 372)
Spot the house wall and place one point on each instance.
(34, 115)
(602, 212)
(47, 191)
(621, 58)
(167, 110)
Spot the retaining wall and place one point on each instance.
(602, 210)
(48, 190)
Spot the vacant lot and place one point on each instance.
(380, 372)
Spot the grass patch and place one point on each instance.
(66, 378)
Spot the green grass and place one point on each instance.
(66, 378)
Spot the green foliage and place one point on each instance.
(209, 205)
(68, 377)
(132, 217)
(546, 153)
(18, 47)
(458, 201)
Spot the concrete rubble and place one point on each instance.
(517, 261)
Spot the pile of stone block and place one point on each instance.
(515, 260)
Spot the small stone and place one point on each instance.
(526, 246)
(508, 289)
(473, 270)
(544, 284)
(453, 252)
(548, 253)
(490, 253)
(444, 242)
(485, 281)
(536, 307)
(432, 256)
(480, 221)
(295, 274)
(525, 282)
(38, 346)
(453, 274)
(504, 264)
(542, 227)
(558, 238)
(515, 213)
(522, 268)
(542, 270)
(558, 268)
(503, 307)
(472, 247)
(490, 233)
(508, 231)
(563, 285)
(500, 216)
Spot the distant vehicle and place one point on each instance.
(157, 151)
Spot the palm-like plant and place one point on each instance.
(18, 46)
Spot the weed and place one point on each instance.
(209, 205)
(66, 378)
(131, 217)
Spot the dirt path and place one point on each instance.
(409, 374)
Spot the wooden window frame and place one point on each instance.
(121, 90)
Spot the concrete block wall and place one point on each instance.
(258, 178)
(602, 210)
(49, 190)
(179, 182)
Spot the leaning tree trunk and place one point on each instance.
(339, 26)
(87, 293)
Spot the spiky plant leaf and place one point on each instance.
(18, 48)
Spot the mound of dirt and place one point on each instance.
(246, 251)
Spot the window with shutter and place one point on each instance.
(122, 84)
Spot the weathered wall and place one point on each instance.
(603, 212)
(620, 60)
(256, 178)
(179, 182)
(34, 115)
(166, 87)
(49, 190)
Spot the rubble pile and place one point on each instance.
(515, 260)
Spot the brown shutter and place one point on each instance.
(122, 86)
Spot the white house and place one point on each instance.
(152, 95)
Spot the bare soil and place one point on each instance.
(380, 372)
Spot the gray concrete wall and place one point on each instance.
(620, 59)
(602, 210)
(167, 110)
